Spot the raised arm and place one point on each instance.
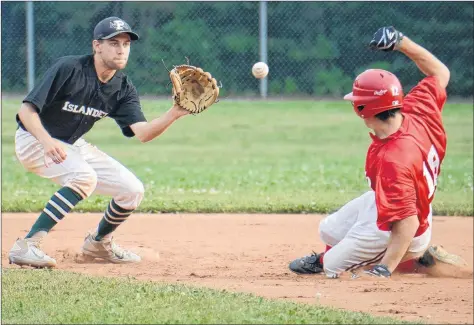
(389, 39)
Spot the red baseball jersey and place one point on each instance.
(403, 168)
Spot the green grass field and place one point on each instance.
(256, 156)
(58, 297)
(287, 156)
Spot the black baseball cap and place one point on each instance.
(112, 26)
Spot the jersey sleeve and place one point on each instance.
(427, 97)
(50, 84)
(395, 195)
(128, 112)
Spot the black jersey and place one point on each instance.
(70, 99)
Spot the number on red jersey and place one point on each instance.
(431, 170)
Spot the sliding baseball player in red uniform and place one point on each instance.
(390, 226)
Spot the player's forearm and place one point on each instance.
(30, 119)
(147, 131)
(401, 236)
(426, 61)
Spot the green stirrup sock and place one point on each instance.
(114, 216)
(57, 207)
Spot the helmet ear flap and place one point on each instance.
(360, 108)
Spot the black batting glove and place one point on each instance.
(385, 39)
(380, 271)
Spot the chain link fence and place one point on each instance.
(315, 49)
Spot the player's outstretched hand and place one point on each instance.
(386, 39)
(178, 111)
(54, 150)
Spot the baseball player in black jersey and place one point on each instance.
(74, 93)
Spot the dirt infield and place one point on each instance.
(250, 253)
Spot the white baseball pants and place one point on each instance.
(85, 170)
(355, 239)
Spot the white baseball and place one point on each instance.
(260, 70)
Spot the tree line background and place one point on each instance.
(314, 48)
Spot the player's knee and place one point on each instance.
(137, 188)
(322, 228)
(331, 265)
(84, 182)
(136, 192)
(327, 233)
(324, 233)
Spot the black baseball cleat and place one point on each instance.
(438, 254)
(309, 264)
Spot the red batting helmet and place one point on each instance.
(375, 91)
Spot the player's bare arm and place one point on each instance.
(426, 62)
(52, 147)
(147, 131)
(401, 236)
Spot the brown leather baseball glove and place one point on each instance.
(193, 89)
